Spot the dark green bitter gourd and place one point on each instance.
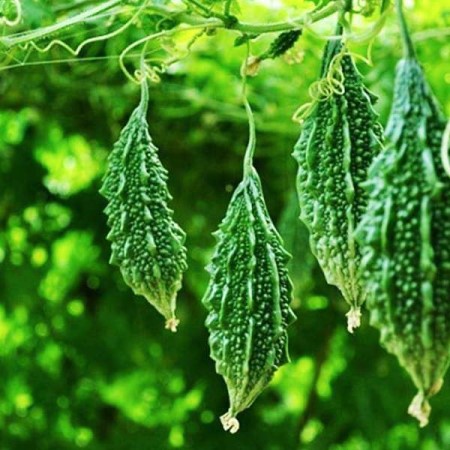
(338, 142)
(281, 44)
(248, 296)
(405, 235)
(146, 243)
(278, 47)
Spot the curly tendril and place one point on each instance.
(333, 84)
(18, 10)
(321, 90)
(153, 71)
(76, 51)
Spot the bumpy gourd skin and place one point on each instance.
(248, 299)
(282, 43)
(146, 243)
(337, 145)
(405, 238)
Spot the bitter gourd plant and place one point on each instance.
(248, 296)
(146, 243)
(338, 142)
(405, 235)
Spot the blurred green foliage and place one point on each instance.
(86, 364)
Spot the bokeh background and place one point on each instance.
(86, 364)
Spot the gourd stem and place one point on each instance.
(248, 159)
(143, 104)
(249, 152)
(330, 48)
(343, 23)
(408, 47)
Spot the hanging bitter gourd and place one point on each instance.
(282, 43)
(338, 142)
(405, 235)
(279, 46)
(248, 295)
(146, 243)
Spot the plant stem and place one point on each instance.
(227, 8)
(181, 17)
(22, 38)
(408, 47)
(248, 159)
(257, 28)
(250, 151)
(143, 104)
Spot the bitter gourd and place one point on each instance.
(281, 44)
(146, 243)
(338, 142)
(278, 47)
(405, 235)
(248, 296)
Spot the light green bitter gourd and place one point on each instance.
(146, 243)
(249, 294)
(405, 235)
(338, 142)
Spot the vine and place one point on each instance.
(77, 50)
(194, 16)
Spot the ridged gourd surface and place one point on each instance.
(405, 237)
(338, 142)
(146, 243)
(248, 299)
